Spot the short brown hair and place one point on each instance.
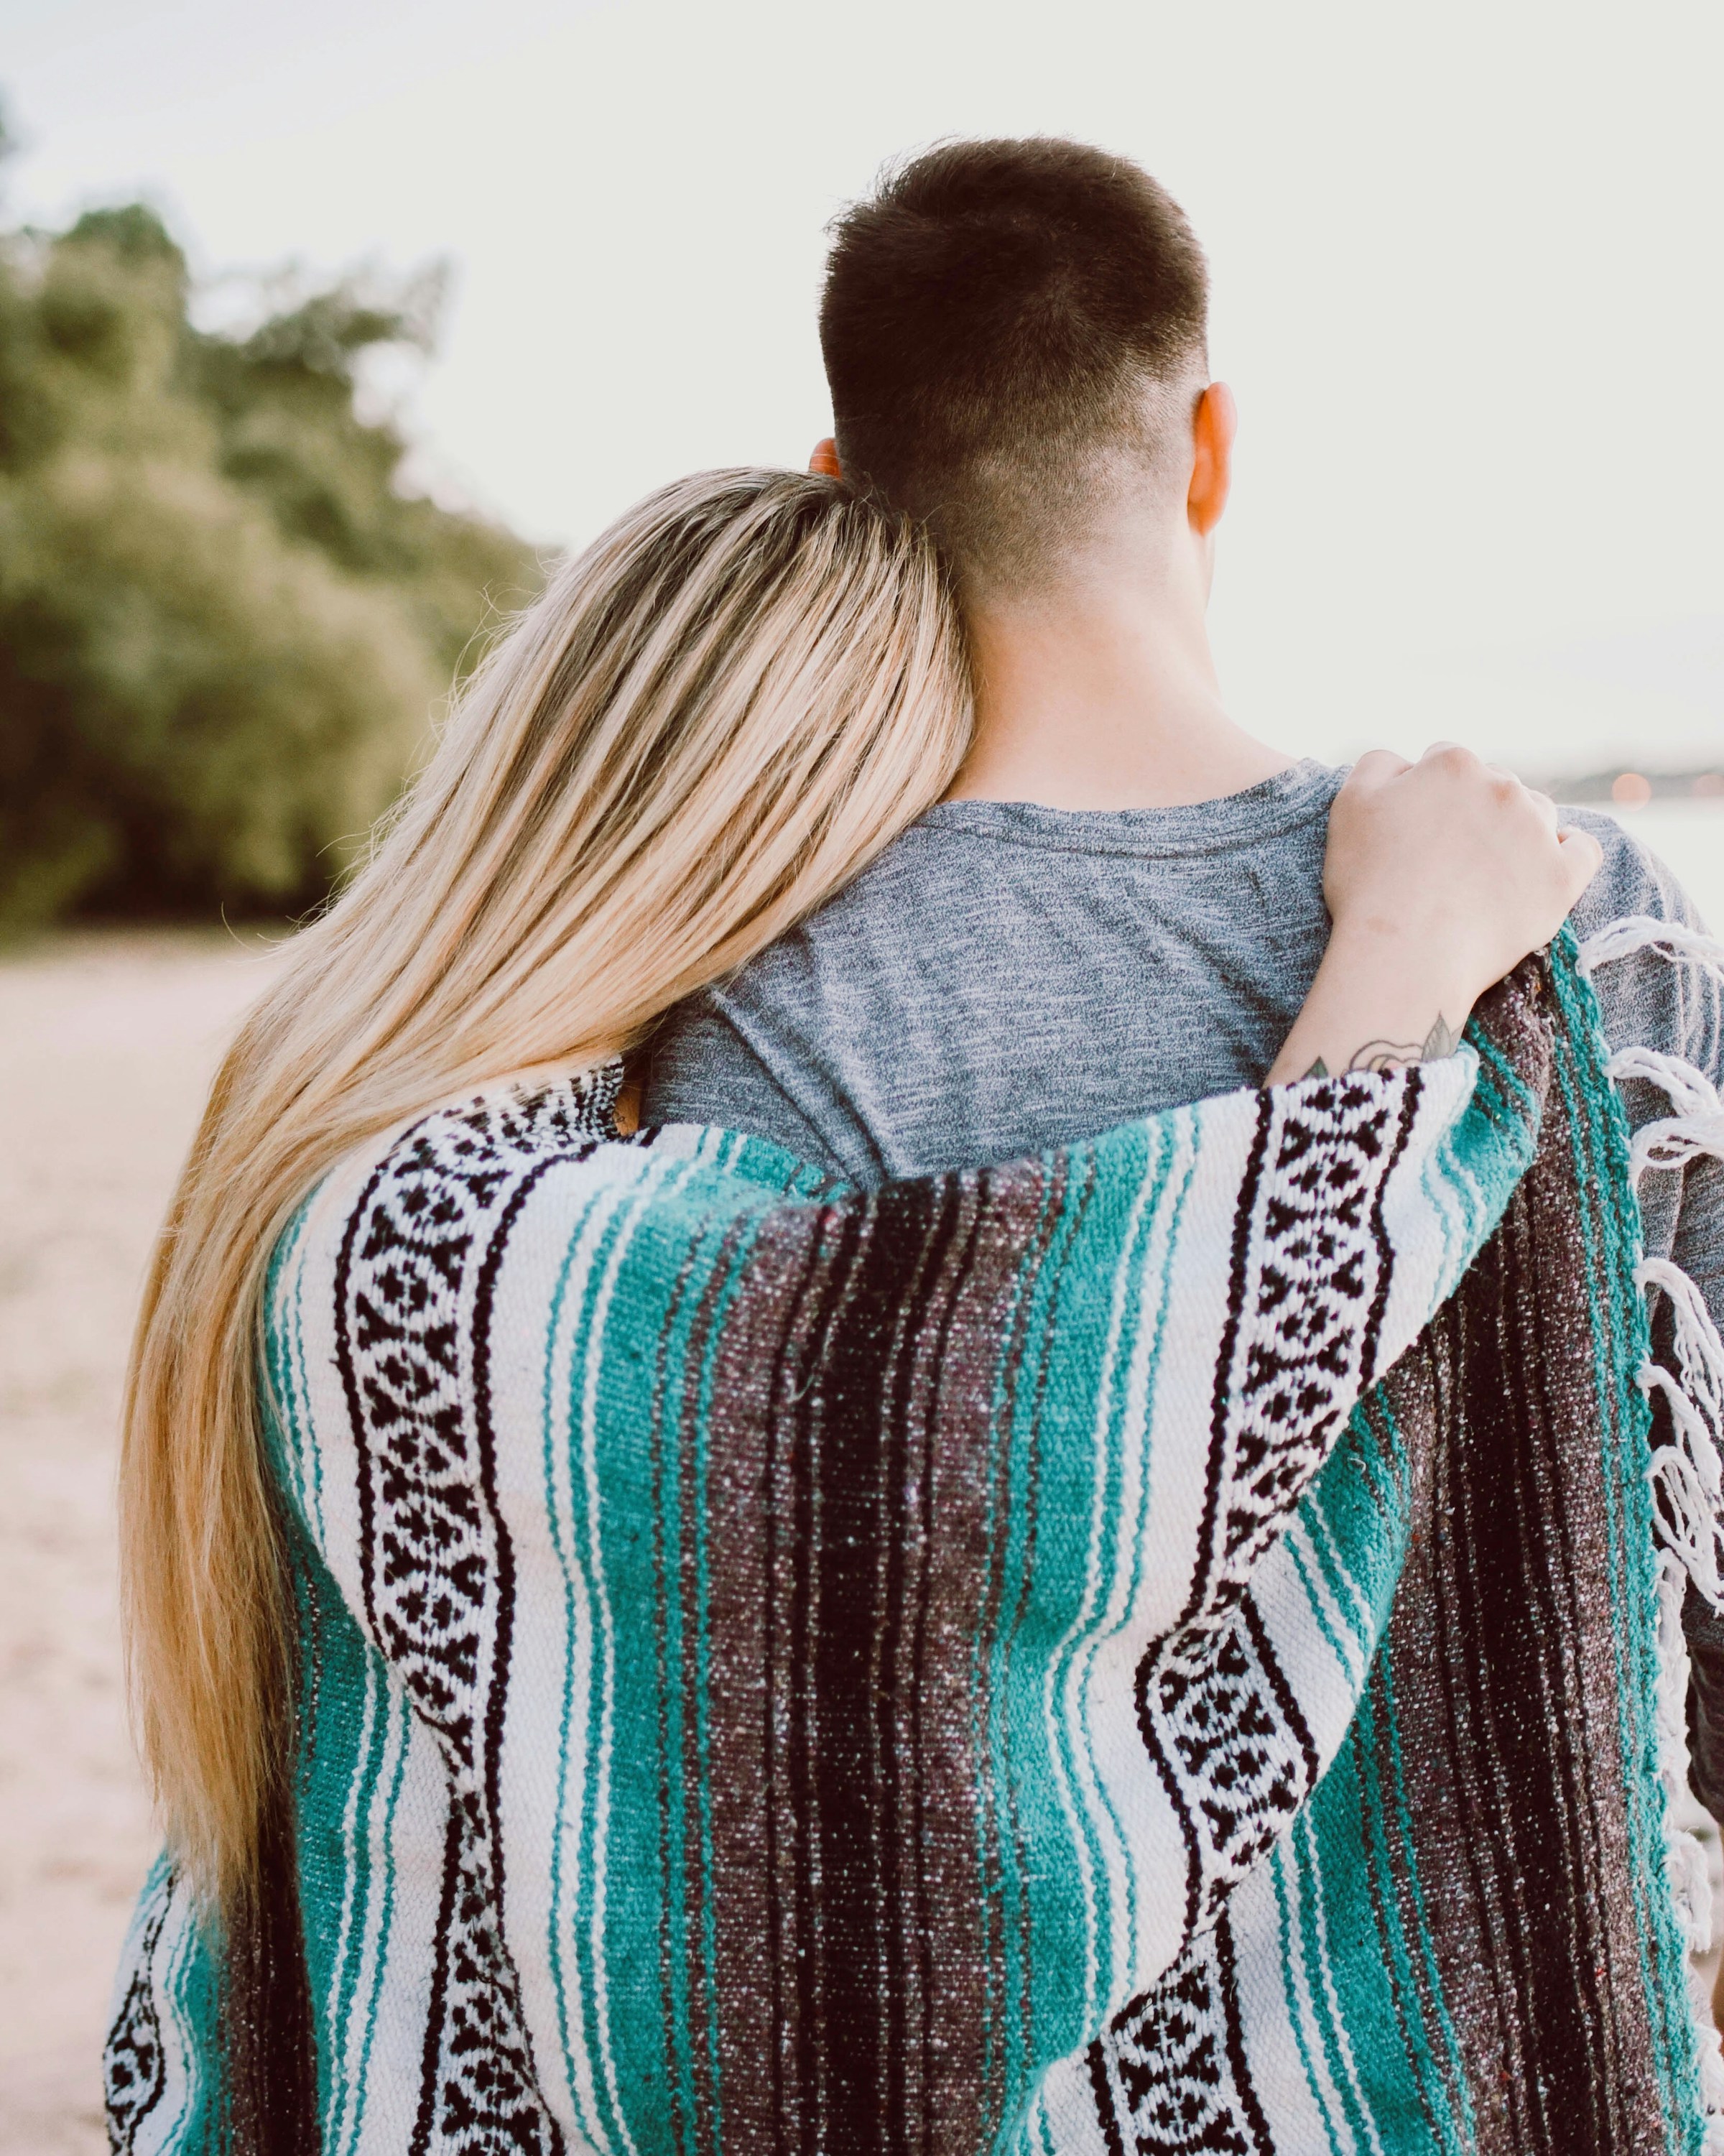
(994, 323)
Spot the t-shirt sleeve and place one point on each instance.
(1675, 1006)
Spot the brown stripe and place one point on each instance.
(758, 2095)
(855, 1377)
(958, 1371)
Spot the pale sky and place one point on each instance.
(1469, 283)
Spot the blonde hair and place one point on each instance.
(710, 721)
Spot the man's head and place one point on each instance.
(1014, 335)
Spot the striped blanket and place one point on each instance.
(1152, 1649)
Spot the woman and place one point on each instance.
(334, 1574)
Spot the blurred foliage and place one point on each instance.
(225, 623)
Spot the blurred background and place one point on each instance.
(323, 330)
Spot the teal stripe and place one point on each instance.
(685, 1231)
(1293, 1965)
(639, 1899)
(1102, 1555)
(1357, 1516)
(1317, 1964)
(1178, 1128)
(1407, 1832)
(1438, 2090)
(351, 1934)
(1044, 1566)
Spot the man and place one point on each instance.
(1119, 906)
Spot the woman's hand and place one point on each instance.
(1440, 876)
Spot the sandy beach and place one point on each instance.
(106, 1043)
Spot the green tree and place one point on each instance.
(224, 626)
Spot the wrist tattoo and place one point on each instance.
(1441, 1041)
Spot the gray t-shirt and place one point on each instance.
(1006, 977)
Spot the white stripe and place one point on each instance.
(588, 1573)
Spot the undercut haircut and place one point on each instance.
(1014, 332)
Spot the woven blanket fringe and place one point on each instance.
(1687, 1473)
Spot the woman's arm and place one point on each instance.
(1440, 876)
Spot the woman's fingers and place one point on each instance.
(1582, 857)
(1375, 768)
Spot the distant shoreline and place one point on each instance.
(1624, 788)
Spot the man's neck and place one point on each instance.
(1102, 695)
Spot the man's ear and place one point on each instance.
(1216, 421)
(825, 464)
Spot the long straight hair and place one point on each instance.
(709, 722)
